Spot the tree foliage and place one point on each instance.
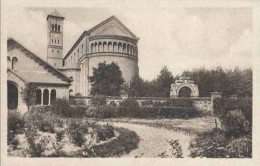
(106, 80)
(29, 95)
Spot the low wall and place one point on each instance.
(203, 104)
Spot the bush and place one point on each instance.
(210, 144)
(235, 115)
(35, 149)
(41, 119)
(106, 111)
(77, 131)
(113, 103)
(15, 126)
(98, 101)
(240, 148)
(105, 132)
(129, 108)
(169, 103)
(60, 135)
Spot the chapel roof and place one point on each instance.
(32, 76)
(104, 32)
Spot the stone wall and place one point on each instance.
(203, 104)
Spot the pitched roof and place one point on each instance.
(108, 20)
(55, 14)
(96, 27)
(42, 78)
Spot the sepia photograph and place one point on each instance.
(148, 80)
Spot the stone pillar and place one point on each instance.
(49, 97)
(41, 97)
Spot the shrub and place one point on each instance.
(129, 108)
(98, 101)
(16, 124)
(113, 103)
(147, 103)
(15, 143)
(61, 107)
(60, 135)
(105, 132)
(235, 115)
(210, 144)
(35, 149)
(106, 111)
(240, 148)
(41, 119)
(176, 148)
(77, 131)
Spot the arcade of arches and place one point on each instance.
(43, 96)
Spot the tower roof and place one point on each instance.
(55, 14)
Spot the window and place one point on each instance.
(57, 51)
(51, 40)
(38, 97)
(53, 95)
(8, 58)
(52, 27)
(58, 27)
(55, 41)
(55, 27)
(51, 50)
(58, 41)
(14, 63)
(45, 97)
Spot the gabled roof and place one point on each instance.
(52, 69)
(55, 14)
(96, 27)
(108, 20)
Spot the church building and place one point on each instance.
(63, 75)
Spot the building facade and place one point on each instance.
(110, 41)
(24, 67)
(60, 76)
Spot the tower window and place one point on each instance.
(14, 63)
(57, 51)
(58, 27)
(52, 27)
(55, 41)
(51, 50)
(58, 41)
(55, 27)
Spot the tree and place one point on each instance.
(106, 80)
(29, 95)
(164, 81)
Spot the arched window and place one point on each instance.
(45, 97)
(57, 51)
(110, 48)
(8, 58)
(55, 27)
(120, 47)
(96, 47)
(128, 48)
(14, 63)
(105, 47)
(131, 49)
(55, 41)
(52, 27)
(58, 41)
(100, 47)
(53, 96)
(124, 48)
(51, 50)
(51, 40)
(115, 49)
(58, 27)
(38, 97)
(71, 92)
(92, 47)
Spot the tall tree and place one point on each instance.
(106, 80)
(164, 81)
(29, 95)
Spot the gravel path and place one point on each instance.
(154, 141)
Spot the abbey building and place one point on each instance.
(61, 75)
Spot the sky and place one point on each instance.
(179, 38)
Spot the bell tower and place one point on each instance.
(55, 39)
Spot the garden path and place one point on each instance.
(154, 141)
